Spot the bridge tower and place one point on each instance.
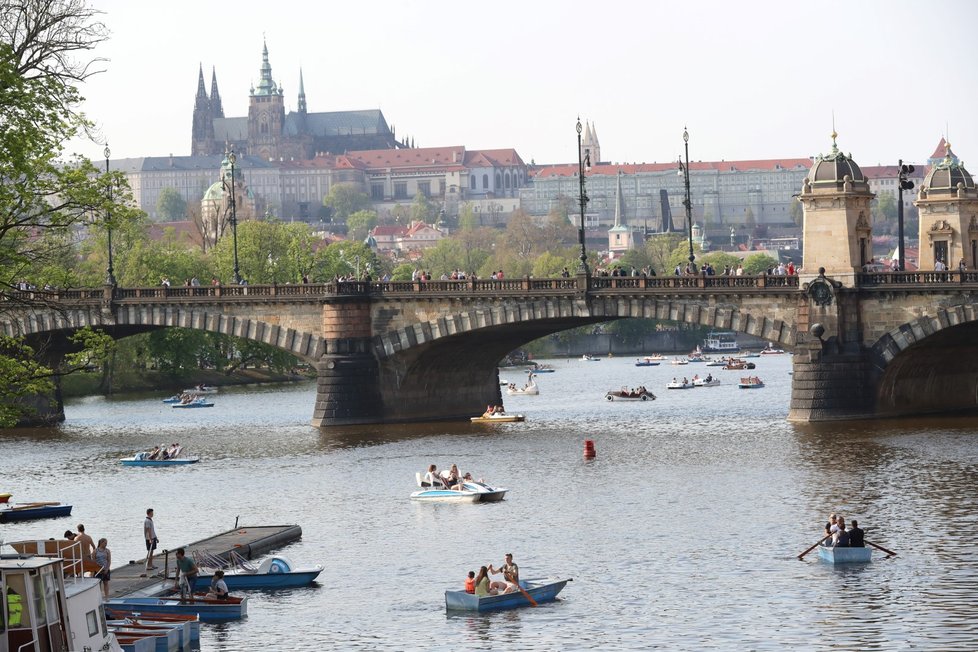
(948, 204)
(837, 227)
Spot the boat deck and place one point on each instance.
(132, 581)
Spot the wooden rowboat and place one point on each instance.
(31, 511)
(541, 590)
(837, 555)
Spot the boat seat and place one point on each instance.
(427, 485)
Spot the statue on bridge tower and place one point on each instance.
(837, 227)
(948, 204)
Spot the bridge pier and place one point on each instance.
(831, 385)
(347, 390)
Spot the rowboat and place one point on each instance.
(210, 610)
(646, 362)
(196, 403)
(177, 461)
(32, 511)
(837, 555)
(498, 417)
(541, 590)
(273, 573)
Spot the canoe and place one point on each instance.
(32, 511)
(176, 461)
(209, 610)
(541, 590)
(844, 555)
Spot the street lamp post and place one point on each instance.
(684, 172)
(582, 160)
(109, 275)
(234, 219)
(903, 184)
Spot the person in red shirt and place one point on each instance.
(470, 582)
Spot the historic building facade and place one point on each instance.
(268, 132)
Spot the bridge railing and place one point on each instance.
(692, 282)
(917, 278)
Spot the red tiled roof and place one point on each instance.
(388, 230)
(570, 170)
(941, 150)
(484, 158)
(415, 157)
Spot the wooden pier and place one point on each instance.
(133, 580)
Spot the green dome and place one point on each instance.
(215, 192)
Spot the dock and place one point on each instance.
(132, 580)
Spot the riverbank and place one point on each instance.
(90, 383)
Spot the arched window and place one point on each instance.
(506, 179)
(499, 181)
(485, 182)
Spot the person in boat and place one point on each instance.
(856, 538)
(69, 535)
(685, 382)
(482, 585)
(218, 588)
(451, 478)
(827, 539)
(154, 454)
(841, 538)
(432, 477)
(511, 575)
(470, 582)
(709, 378)
(103, 557)
(172, 451)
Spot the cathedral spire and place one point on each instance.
(302, 94)
(217, 108)
(201, 89)
(265, 84)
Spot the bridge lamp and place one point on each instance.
(583, 164)
(234, 217)
(903, 184)
(109, 276)
(684, 172)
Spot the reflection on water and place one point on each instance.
(682, 534)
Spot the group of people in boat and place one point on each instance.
(187, 397)
(708, 379)
(634, 392)
(495, 409)
(751, 380)
(163, 452)
(450, 478)
(838, 536)
(480, 585)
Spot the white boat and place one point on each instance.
(772, 350)
(844, 555)
(487, 494)
(498, 417)
(679, 384)
(679, 361)
(721, 342)
(717, 362)
(750, 382)
(201, 389)
(529, 389)
(441, 494)
(48, 575)
(587, 357)
(709, 381)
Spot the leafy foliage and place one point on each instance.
(171, 205)
(344, 199)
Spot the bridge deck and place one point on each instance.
(131, 580)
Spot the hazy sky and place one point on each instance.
(749, 79)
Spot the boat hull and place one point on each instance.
(845, 555)
(209, 612)
(192, 405)
(132, 461)
(445, 496)
(509, 418)
(540, 590)
(34, 513)
(619, 396)
(239, 581)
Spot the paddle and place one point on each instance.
(812, 548)
(33, 505)
(526, 595)
(888, 552)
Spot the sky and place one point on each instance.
(749, 79)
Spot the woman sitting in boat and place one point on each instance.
(482, 583)
(218, 588)
(432, 477)
(154, 454)
(451, 478)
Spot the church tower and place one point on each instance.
(217, 108)
(266, 114)
(202, 135)
(590, 144)
(948, 204)
(620, 236)
(837, 229)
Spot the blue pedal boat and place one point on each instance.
(837, 555)
(196, 403)
(541, 590)
(32, 511)
(137, 461)
(273, 573)
(208, 610)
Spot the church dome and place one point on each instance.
(946, 175)
(834, 167)
(215, 192)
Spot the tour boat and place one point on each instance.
(679, 384)
(709, 381)
(31, 511)
(646, 362)
(274, 573)
(34, 583)
(640, 394)
(540, 590)
(750, 382)
(721, 342)
(196, 403)
(844, 555)
(498, 417)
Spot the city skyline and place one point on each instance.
(750, 81)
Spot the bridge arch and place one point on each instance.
(927, 365)
(131, 321)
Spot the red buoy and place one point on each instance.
(589, 452)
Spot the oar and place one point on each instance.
(526, 595)
(32, 505)
(812, 548)
(889, 552)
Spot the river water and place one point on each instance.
(682, 534)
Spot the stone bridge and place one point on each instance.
(893, 343)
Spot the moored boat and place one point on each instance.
(209, 610)
(541, 590)
(721, 342)
(843, 555)
(5, 497)
(276, 572)
(31, 511)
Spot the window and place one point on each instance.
(424, 187)
(377, 191)
(472, 182)
(92, 620)
(506, 179)
(400, 191)
(485, 182)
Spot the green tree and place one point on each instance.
(171, 205)
(423, 209)
(758, 263)
(360, 223)
(345, 199)
(467, 220)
